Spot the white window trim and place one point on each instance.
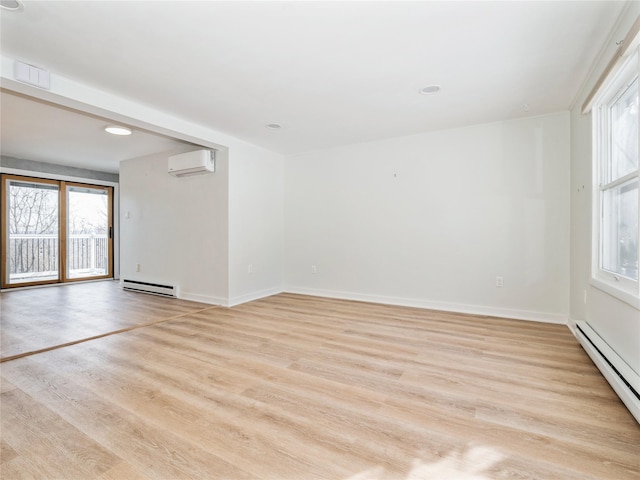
(622, 288)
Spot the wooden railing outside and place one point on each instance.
(33, 257)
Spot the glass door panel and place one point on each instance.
(54, 231)
(88, 232)
(30, 231)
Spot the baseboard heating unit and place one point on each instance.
(152, 288)
(622, 378)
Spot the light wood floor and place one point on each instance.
(36, 319)
(293, 387)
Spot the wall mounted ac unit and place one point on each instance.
(197, 162)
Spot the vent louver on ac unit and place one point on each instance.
(152, 288)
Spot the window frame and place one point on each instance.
(612, 89)
(62, 230)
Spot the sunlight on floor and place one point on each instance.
(471, 463)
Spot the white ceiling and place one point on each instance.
(39, 131)
(331, 73)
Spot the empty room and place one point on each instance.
(351, 240)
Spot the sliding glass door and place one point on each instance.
(55, 231)
(30, 227)
(88, 234)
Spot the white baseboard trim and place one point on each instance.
(249, 297)
(611, 366)
(228, 302)
(197, 297)
(544, 317)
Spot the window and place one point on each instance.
(617, 179)
(54, 231)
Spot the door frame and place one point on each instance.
(64, 225)
(115, 220)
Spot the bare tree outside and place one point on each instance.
(87, 232)
(33, 228)
(33, 244)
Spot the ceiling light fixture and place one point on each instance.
(11, 4)
(273, 126)
(117, 130)
(429, 89)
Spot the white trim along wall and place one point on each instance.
(437, 220)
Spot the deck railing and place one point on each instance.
(36, 256)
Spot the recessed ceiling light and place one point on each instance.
(11, 4)
(273, 126)
(430, 89)
(117, 130)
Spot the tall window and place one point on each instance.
(617, 177)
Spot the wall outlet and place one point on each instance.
(137, 267)
(584, 296)
(314, 269)
(499, 282)
(250, 268)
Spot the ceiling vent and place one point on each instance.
(26, 73)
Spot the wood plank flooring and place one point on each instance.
(293, 387)
(41, 318)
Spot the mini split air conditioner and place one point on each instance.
(192, 163)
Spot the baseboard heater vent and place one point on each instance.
(152, 288)
(624, 381)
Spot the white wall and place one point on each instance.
(175, 228)
(256, 223)
(431, 220)
(617, 322)
(202, 233)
